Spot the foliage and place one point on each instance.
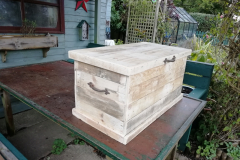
(202, 6)
(119, 15)
(118, 42)
(28, 27)
(222, 123)
(58, 146)
(78, 141)
(188, 145)
(205, 21)
(208, 150)
(232, 151)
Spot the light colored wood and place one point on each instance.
(117, 92)
(100, 102)
(99, 72)
(102, 118)
(19, 43)
(108, 158)
(156, 21)
(147, 113)
(138, 106)
(141, 85)
(147, 87)
(144, 125)
(6, 152)
(118, 137)
(169, 68)
(4, 56)
(98, 126)
(172, 155)
(129, 59)
(8, 113)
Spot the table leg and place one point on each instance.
(8, 112)
(172, 154)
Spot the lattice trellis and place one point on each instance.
(142, 21)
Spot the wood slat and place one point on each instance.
(197, 82)
(102, 73)
(140, 105)
(204, 69)
(147, 113)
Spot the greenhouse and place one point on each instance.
(184, 25)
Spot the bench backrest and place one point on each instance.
(93, 45)
(199, 75)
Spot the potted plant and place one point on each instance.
(28, 40)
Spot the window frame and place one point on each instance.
(60, 29)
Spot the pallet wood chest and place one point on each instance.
(120, 90)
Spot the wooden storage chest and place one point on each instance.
(120, 90)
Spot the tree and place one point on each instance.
(202, 6)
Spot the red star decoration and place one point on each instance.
(81, 3)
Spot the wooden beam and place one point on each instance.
(8, 113)
(45, 50)
(97, 21)
(156, 21)
(172, 154)
(4, 56)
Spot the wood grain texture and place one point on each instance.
(101, 117)
(138, 106)
(8, 113)
(149, 86)
(99, 72)
(146, 123)
(98, 126)
(147, 113)
(100, 102)
(128, 59)
(169, 68)
(19, 43)
(6, 152)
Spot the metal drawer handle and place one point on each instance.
(171, 60)
(91, 85)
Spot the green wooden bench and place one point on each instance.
(198, 75)
(8, 151)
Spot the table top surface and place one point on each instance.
(49, 88)
(128, 59)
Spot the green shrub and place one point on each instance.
(205, 21)
(58, 146)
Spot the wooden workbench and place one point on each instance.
(49, 89)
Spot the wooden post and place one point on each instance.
(97, 21)
(172, 154)
(4, 56)
(164, 16)
(156, 21)
(8, 112)
(126, 38)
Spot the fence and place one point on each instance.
(203, 36)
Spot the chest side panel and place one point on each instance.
(148, 81)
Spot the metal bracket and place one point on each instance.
(45, 50)
(4, 56)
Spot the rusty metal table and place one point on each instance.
(49, 89)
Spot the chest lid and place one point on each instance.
(129, 59)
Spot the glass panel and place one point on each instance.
(49, 1)
(44, 16)
(10, 13)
